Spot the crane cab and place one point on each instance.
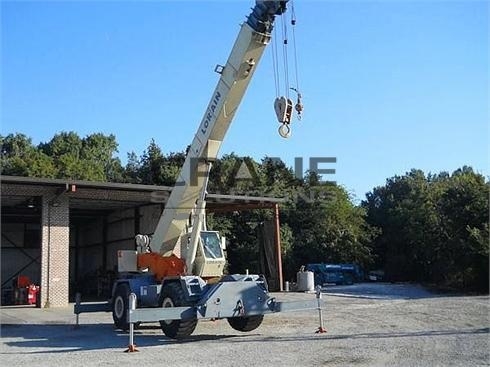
(210, 257)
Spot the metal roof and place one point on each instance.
(107, 196)
(81, 183)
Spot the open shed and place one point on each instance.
(64, 235)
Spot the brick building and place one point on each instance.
(64, 235)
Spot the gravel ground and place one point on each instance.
(368, 325)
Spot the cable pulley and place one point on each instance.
(283, 105)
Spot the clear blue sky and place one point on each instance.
(387, 85)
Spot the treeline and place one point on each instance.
(434, 228)
(425, 228)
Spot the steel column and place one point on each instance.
(277, 239)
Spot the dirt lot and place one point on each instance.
(368, 325)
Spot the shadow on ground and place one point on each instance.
(389, 291)
(65, 338)
(56, 338)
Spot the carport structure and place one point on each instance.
(65, 234)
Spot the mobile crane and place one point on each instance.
(180, 266)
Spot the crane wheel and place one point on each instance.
(245, 323)
(173, 296)
(120, 307)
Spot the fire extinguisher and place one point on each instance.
(32, 292)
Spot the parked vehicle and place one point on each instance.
(329, 274)
(376, 275)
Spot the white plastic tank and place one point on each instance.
(305, 280)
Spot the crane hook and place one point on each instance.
(285, 131)
(284, 111)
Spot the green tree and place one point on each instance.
(404, 210)
(63, 144)
(156, 168)
(21, 158)
(91, 158)
(132, 169)
(464, 212)
(99, 150)
(432, 227)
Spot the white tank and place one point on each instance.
(305, 281)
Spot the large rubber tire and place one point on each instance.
(120, 306)
(173, 296)
(245, 323)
